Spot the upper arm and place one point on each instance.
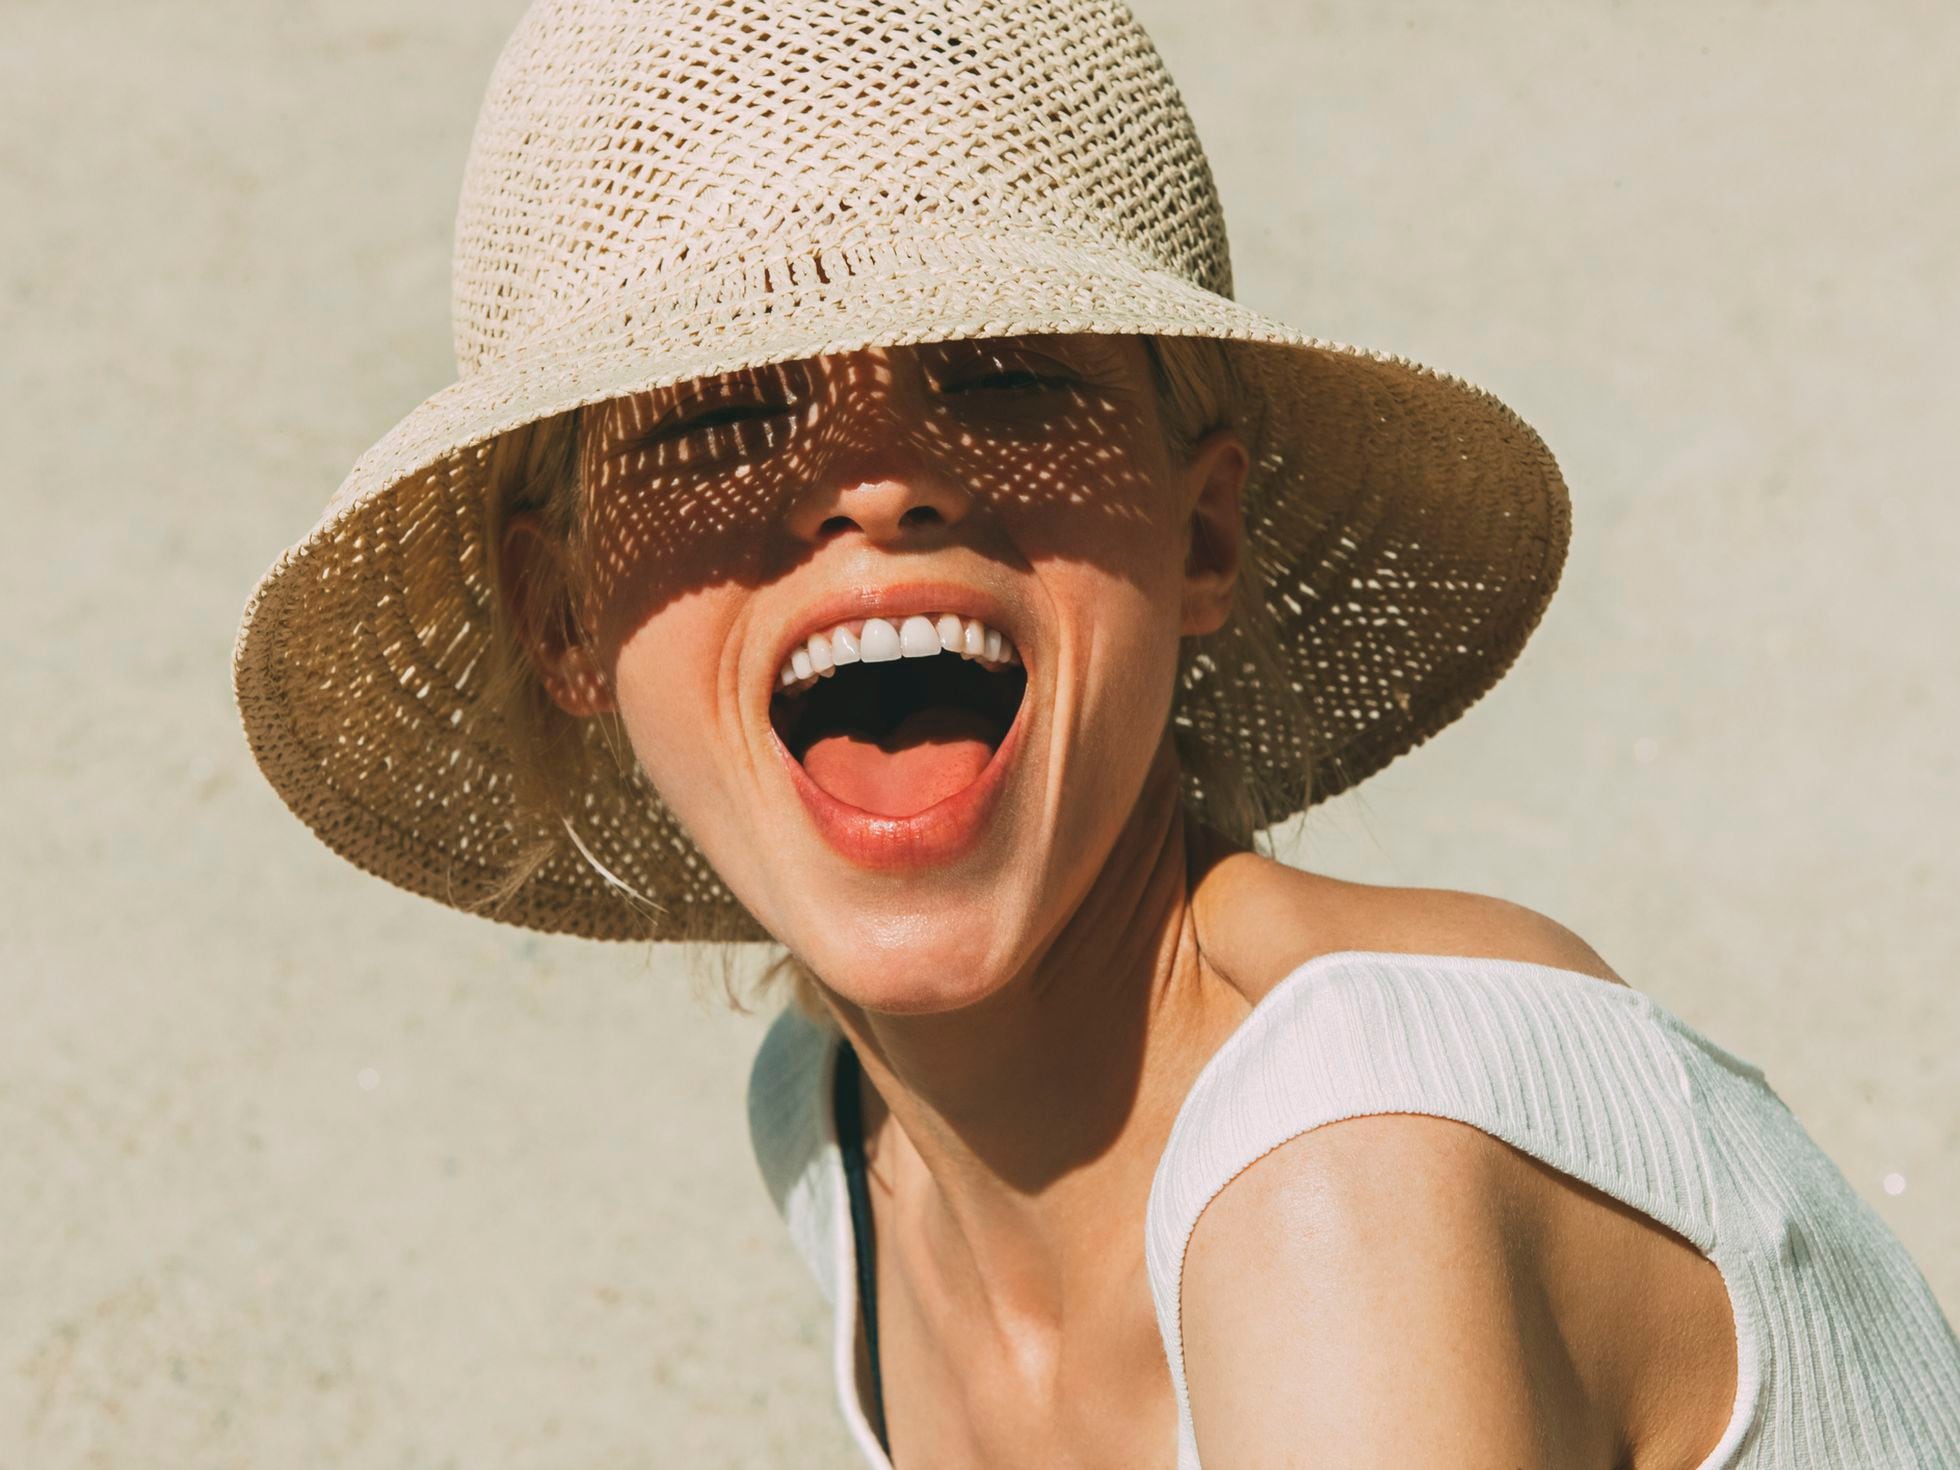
(1366, 1296)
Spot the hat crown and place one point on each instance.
(666, 148)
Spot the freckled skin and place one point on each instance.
(1030, 1015)
(1027, 1013)
(877, 467)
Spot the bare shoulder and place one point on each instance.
(1373, 1288)
(1404, 1289)
(1415, 1290)
(1259, 919)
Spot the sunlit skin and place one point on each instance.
(1033, 1013)
(1057, 500)
(879, 468)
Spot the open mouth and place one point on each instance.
(893, 736)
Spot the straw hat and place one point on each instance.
(661, 190)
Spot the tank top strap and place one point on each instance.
(1562, 1065)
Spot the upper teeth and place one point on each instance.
(877, 640)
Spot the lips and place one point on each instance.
(940, 833)
(899, 754)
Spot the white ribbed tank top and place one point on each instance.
(1843, 1357)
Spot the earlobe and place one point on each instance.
(534, 588)
(1218, 468)
(579, 686)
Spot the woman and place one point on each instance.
(865, 521)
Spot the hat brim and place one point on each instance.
(1410, 530)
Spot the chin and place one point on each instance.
(917, 963)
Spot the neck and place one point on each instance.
(1046, 1105)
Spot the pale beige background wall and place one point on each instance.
(300, 1170)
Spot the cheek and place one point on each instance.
(1108, 548)
(646, 568)
(667, 683)
(1108, 508)
(1114, 572)
(1119, 673)
(1113, 682)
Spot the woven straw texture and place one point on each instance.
(663, 191)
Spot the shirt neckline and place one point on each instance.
(845, 1314)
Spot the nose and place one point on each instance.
(889, 507)
(873, 476)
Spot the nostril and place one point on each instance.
(920, 515)
(833, 526)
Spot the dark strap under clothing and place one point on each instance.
(850, 1139)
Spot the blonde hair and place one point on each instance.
(536, 469)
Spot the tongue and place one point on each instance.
(933, 753)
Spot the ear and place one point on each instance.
(533, 565)
(1215, 481)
